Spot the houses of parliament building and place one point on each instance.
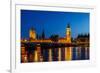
(40, 54)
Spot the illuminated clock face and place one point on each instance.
(68, 32)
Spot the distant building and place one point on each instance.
(81, 39)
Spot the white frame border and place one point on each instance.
(53, 65)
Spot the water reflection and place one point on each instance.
(57, 54)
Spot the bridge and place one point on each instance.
(55, 44)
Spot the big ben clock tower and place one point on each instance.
(68, 34)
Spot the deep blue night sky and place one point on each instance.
(53, 22)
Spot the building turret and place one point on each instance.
(43, 34)
(32, 34)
